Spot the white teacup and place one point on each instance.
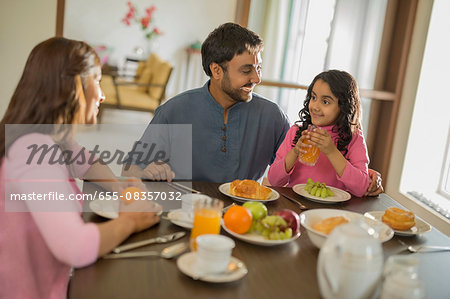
(188, 201)
(213, 253)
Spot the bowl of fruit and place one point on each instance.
(251, 223)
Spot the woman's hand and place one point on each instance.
(322, 139)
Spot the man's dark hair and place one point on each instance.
(226, 41)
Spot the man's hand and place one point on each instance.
(158, 171)
(375, 186)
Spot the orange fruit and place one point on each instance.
(238, 219)
(128, 194)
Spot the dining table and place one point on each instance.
(282, 271)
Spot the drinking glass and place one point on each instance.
(312, 153)
(207, 215)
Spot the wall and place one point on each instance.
(23, 24)
(182, 21)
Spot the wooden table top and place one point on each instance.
(285, 271)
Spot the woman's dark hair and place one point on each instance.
(345, 89)
(226, 41)
(49, 90)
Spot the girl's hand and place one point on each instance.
(321, 139)
(300, 147)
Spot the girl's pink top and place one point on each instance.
(38, 248)
(355, 178)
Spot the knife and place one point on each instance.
(185, 188)
(301, 206)
(162, 239)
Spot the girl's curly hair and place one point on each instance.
(345, 89)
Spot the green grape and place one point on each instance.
(274, 236)
(318, 192)
(287, 233)
(330, 192)
(313, 190)
(310, 181)
(308, 188)
(324, 192)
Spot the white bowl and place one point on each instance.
(309, 218)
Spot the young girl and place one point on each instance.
(332, 104)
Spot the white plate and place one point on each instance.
(420, 227)
(180, 218)
(309, 218)
(225, 189)
(105, 208)
(186, 264)
(258, 239)
(109, 208)
(339, 195)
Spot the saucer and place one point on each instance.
(186, 264)
(180, 218)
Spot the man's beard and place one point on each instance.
(233, 93)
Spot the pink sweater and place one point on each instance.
(37, 249)
(355, 178)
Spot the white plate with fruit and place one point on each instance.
(251, 223)
(320, 192)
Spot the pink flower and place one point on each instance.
(145, 21)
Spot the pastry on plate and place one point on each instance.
(249, 189)
(398, 219)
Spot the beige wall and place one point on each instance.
(23, 23)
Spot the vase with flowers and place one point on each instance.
(145, 22)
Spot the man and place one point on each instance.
(235, 132)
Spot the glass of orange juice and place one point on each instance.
(207, 215)
(312, 153)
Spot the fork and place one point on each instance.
(424, 248)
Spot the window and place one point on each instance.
(303, 37)
(425, 171)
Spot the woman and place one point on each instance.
(59, 86)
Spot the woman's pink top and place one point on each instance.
(38, 249)
(355, 178)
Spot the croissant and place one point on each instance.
(249, 189)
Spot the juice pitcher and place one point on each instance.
(350, 262)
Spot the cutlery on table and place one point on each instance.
(167, 253)
(424, 248)
(162, 239)
(183, 187)
(301, 206)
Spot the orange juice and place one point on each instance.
(206, 221)
(311, 155)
